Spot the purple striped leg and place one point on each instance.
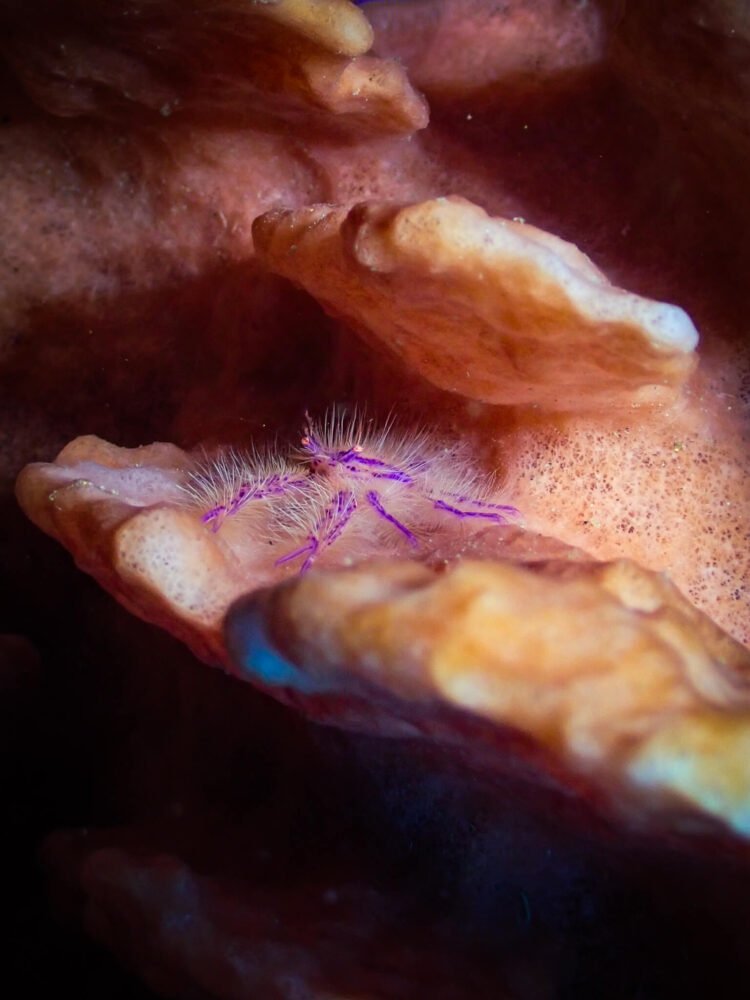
(328, 530)
(377, 505)
(497, 512)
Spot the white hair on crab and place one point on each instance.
(347, 477)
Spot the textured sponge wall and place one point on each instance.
(674, 494)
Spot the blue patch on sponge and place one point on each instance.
(254, 655)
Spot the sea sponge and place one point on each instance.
(145, 521)
(254, 63)
(514, 638)
(539, 323)
(140, 141)
(604, 666)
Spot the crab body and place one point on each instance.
(349, 478)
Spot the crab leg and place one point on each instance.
(375, 502)
(328, 529)
(274, 486)
(375, 466)
(499, 513)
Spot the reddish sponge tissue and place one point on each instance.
(512, 237)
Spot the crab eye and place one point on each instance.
(305, 442)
